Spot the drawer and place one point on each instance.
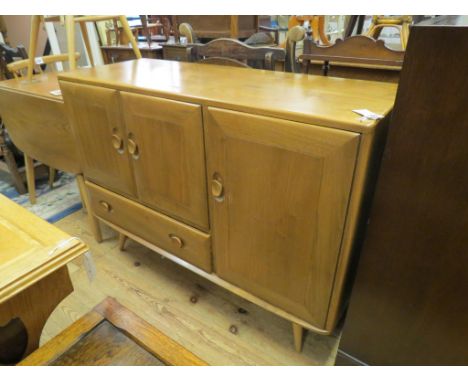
(176, 53)
(179, 239)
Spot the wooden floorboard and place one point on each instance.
(160, 292)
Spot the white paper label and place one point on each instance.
(57, 92)
(39, 60)
(89, 266)
(367, 114)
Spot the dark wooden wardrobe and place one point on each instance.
(409, 304)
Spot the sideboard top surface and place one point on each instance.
(311, 99)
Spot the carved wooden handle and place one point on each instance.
(117, 142)
(176, 240)
(105, 205)
(132, 147)
(216, 188)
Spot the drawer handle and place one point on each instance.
(132, 147)
(176, 240)
(216, 188)
(107, 207)
(117, 142)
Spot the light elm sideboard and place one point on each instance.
(252, 179)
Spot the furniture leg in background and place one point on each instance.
(11, 162)
(93, 221)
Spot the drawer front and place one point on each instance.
(179, 239)
(175, 53)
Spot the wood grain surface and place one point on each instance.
(310, 99)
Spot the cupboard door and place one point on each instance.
(279, 195)
(97, 123)
(165, 139)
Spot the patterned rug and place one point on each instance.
(52, 204)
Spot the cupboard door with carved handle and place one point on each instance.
(97, 123)
(165, 141)
(279, 193)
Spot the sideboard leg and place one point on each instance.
(298, 332)
(122, 241)
(52, 175)
(93, 221)
(30, 179)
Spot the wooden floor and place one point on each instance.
(216, 325)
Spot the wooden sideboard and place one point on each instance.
(252, 179)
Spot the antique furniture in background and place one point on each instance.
(353, 20)
(317, 26)
(256, 39)
(177, 52)
(16, 69)
(38, 125)
(33, 277)
(11, 165)
(282, 157)
(230, 52)
(217, 26)
(355, 57)
(294, 35)
(70, 21)
(401, 23)
(118, 53)
(112, 335)
(7, 148)
(409, 302)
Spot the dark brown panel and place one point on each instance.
(409, 305)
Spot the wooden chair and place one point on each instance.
(230, 52)
(293, 36)
(70, 21)
(257, 39)
(317, 26)
(401, 23)
(358, 57)
(19, 69)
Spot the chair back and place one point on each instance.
(294, 35)
(358, 57)
(19, 68)
(235, 53)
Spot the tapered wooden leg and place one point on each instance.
(84, 33)
(35, 23)
(70, 29)
(93, 221)
(11, 163)
(82, 197)
(30, 180)
(126, 29)
(298, 332)
(52, 173)
(122, 241)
